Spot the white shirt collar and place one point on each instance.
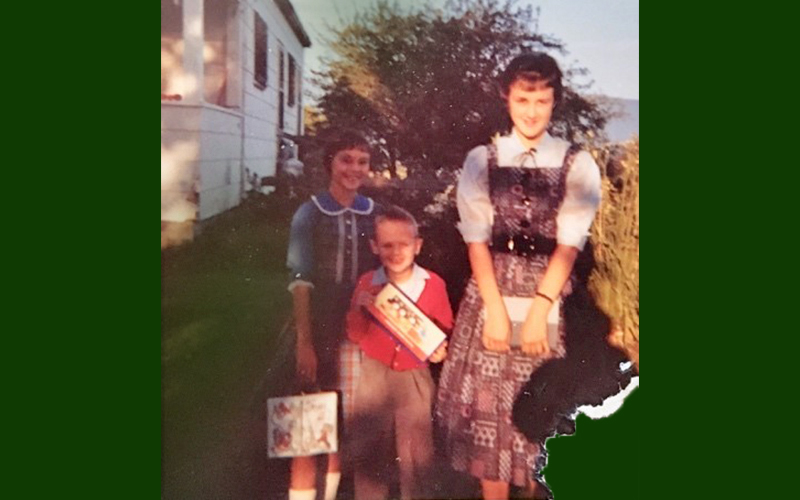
(548, 153)
(413, 287)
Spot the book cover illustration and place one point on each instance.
(398, 314)
(299, 426)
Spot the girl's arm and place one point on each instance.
(306, 356)
(476, 219)
(534, 330)
(301, 262)
(496, 328)
(574, 219)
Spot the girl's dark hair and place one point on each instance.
(536, 69)
(339, 141)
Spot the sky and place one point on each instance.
(600, 35)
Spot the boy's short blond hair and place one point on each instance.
(397, 214)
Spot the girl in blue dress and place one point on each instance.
(328, 251)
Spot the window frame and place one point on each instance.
(292, 87)
(260, 58)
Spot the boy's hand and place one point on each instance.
(534, 335)
(439, 354)
(496, 329)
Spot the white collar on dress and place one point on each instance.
(549, 152)
(326, 203)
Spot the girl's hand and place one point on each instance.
(439, 354)
(534, 335)
(306, 362)
(496, 329)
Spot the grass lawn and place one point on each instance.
(223, 304)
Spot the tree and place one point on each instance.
(422, 84)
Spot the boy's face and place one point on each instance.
(349, 168)
(530, 109)
(396, 245)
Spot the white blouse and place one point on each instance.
(581, 199)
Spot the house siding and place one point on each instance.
(206, 148)
(261, 105)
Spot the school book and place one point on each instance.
(406, 322)
(300, 426)
(517, 309)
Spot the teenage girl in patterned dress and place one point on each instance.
(526, 203)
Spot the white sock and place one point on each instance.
(332, 484)
(302, 494)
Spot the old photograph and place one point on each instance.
(399, 243)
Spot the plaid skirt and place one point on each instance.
(477, 388)
(349, 371)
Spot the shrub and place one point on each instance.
(615, 236)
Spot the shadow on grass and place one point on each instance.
(223, 305)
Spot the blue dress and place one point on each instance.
(329, 249)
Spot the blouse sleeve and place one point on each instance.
(472, 198)
(300, 258)
(581, 200)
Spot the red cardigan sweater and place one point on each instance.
(379, 344)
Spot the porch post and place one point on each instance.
(193, 63)
(234, 60)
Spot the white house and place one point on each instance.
(230, 93)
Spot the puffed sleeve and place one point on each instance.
(472, 198)
(300, 257)
(581, 200)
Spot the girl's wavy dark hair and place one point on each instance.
(536, 69)
(341, 140)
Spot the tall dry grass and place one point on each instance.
(615, 235)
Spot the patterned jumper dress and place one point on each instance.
(329, 246)
(477, 388)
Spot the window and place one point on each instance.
(292, 75)
(171, 51)
(280, 91)
(218, 28)
(280, 69)
(299, 103)
(260, 65)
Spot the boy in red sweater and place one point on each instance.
(394, 397)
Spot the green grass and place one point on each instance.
(224, 302)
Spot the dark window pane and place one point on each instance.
(280, 70)
(292, 75)
(260, 53)
(280, 110)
